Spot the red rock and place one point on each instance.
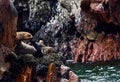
(98, 15)
(72, 76)
(8, 21)
(102, 10)
(51, 75)
(25, 75)
(105, 49)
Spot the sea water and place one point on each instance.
(98, 72)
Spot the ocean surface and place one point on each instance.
(98, 72)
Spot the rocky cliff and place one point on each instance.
(100, 22)
(8, 22)
(27, 67)
(81, 30)
(8, 19)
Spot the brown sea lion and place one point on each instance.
(23, 36)
(22, 47)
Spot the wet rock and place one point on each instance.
(52, 72)
(69, 61)
(68, 75)
(73, 77)
(64, 69)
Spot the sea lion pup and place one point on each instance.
(22, 47)
(45, 49)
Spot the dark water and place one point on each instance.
(100, 72)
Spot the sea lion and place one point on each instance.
(22, 47)
(35, 48)
(23, 36)
(47, 50)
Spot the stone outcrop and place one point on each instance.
(8, 20)
(102, 10)
(3, 65)
(72, 36)
(28, 74)
(100, 21)
(25, 75)
(105, 48)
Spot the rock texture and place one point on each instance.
(25, 75)
(8, 19)
(102, 10)
(105, 48)
(79, 30)
(101, 16)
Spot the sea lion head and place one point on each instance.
(23, 36)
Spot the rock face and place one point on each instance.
(85, 38)
(80, 37)
(101, 16)
(8, 19)
(59, 29)
(105, 48)
(102, 10)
